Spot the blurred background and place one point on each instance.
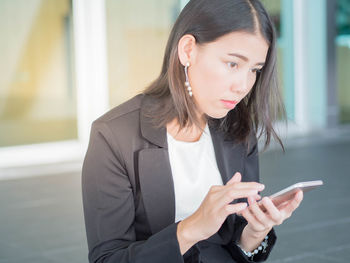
(66, 62)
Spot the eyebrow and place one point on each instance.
(245, 58)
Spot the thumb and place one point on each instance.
(235, 179)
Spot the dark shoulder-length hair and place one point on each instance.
(207, 20)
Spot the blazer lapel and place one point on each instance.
(156, 181)
(229, 156)
(157, 188)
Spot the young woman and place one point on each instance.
(168, 174)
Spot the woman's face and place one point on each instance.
(222, 72)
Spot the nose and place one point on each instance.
(240, 83)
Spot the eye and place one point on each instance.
(256, 70)
(232, 64)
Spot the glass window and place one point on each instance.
(37, 93)
(343, 58)
(137, 32)
(281, 12)
(136, 44)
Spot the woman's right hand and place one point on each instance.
(214, 209)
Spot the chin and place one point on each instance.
(218, 114)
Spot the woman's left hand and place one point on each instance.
(260, 222)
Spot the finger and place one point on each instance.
(288, 208)
(297, 197)
(256, 197)
(251, 201)
(259, 214)
(235, 179)
(235, 208)
(272, 210)
(221, 198)
(243, 185)
(249, 216)
(232, 194)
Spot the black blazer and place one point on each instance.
(128, 192)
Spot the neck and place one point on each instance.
(187, 134)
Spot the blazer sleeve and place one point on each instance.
(251, 173)
(109, 210)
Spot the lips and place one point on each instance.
(230, 104)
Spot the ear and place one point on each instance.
(186, 49)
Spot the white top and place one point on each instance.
(194, 171)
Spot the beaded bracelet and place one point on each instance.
(262, 247)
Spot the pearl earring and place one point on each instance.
(187, 83)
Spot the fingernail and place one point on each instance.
(261, 187)
(243, 206)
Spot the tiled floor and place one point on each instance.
(41, 218)
(319, 230)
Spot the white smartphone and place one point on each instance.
(288, 193)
